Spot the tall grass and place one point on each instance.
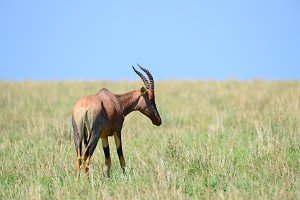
(225, 140)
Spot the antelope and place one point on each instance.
(102, 115)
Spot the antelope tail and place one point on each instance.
(86, 128)
(82, 122)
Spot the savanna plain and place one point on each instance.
(218, 140)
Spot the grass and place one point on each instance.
(225, 140)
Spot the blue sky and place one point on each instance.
(96, 40)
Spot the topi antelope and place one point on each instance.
(102, 115)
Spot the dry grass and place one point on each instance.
(225, 140)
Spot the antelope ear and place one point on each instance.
(143, 91)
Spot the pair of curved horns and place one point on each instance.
(146, 82)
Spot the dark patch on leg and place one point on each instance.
(106, 152)
(85, 139)
(120, 152)
(92, 149)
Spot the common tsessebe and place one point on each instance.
(102, 115)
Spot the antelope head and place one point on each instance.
(146, 103)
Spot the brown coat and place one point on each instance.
(102, 115)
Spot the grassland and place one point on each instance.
(224, 140)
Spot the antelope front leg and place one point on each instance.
(118, 142)
(105, 146)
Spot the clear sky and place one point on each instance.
(96, 40)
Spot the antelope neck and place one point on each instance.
(128, 101)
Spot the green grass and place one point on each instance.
(225, 140)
